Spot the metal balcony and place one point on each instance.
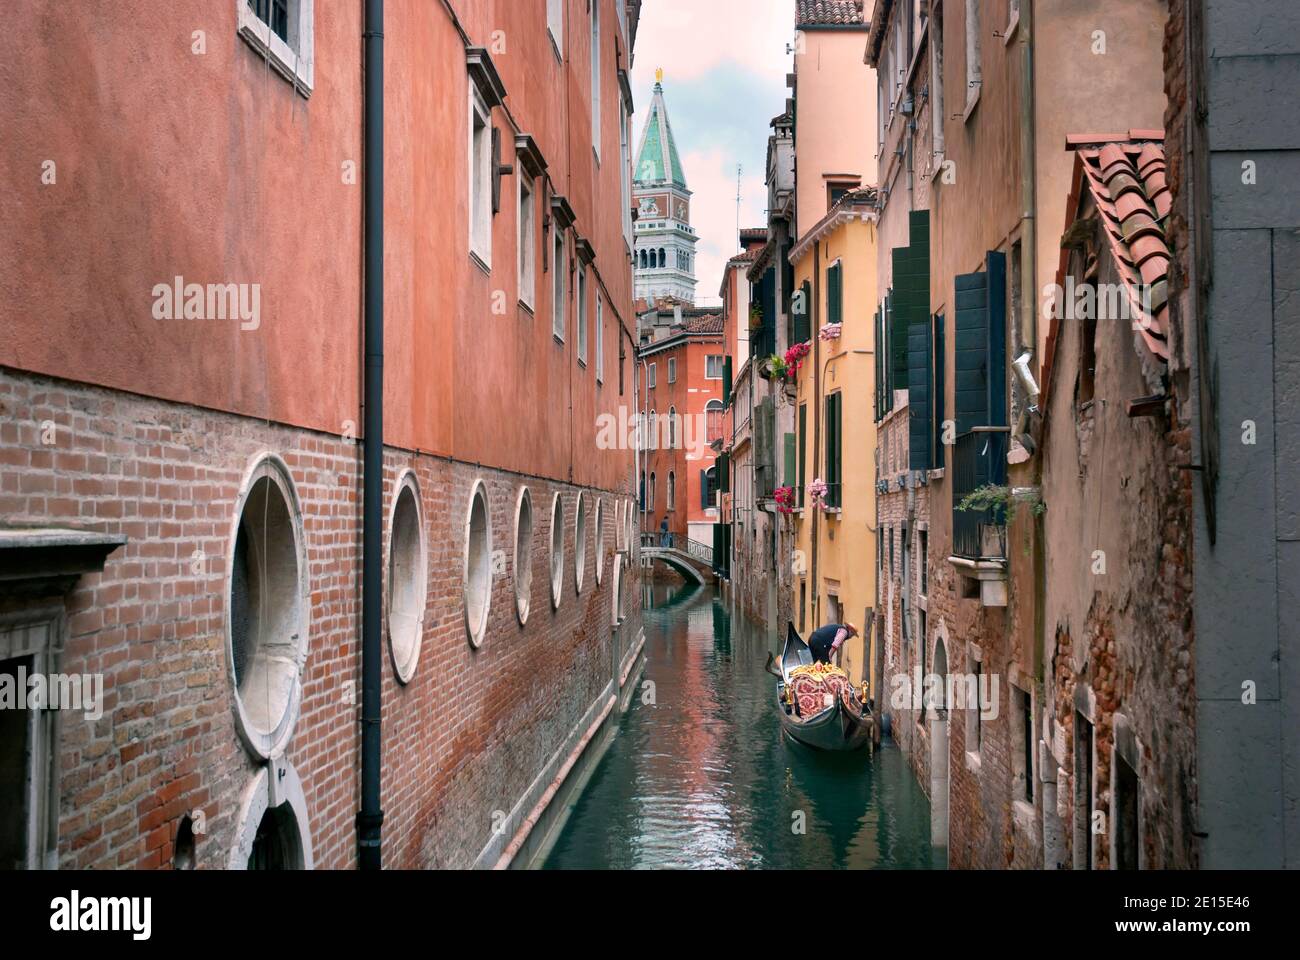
(979, 460)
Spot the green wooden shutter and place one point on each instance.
(803, 317)
(838, 471)
(939, 400)
(803, 447)
(724, 473)
(918, 396)
(879, 350)
(970, 351)
(726, 381)
(834, 446)
(835, 294)
(996, 268)
(788, 477)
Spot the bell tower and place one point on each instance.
(665, 240)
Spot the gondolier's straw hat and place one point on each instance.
(851, 628)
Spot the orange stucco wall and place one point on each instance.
(243, 180)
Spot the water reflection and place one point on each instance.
(702, 778)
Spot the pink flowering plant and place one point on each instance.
(784, 497)
(831, 331)
(817, 493)
(794, 358)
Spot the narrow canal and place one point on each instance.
(702, 777)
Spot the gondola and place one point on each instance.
(844, 725)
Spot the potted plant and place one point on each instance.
(755, 317)
(773, 368)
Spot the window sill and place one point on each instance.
(525, 305)
(477, 259)
(296, 66)
(582, 363)
(972, 101)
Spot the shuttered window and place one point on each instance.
(788, 477)
(879, 350)
(726, 381)
(835, 294)
(939, 400)
(980, 350)
(803, 447)
(919, 394)
(802, 311)
(834, 448)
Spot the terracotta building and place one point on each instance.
(183, 433)
(681, 359)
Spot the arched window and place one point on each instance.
(713, 410)
(672, 428)
(652, 433)
(650, 502)
(643, 491)
(709, 487)
(672, 490)
(663, 256)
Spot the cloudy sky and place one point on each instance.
(724, 64)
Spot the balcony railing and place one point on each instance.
(979, 460)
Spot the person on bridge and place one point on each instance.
(665, 538)
(826, 641)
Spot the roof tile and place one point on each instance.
(828, 12)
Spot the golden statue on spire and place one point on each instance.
(659, 75)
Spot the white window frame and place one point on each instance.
(555, 25)
(721, 364)
(526, 206)
(672, 369)
(974, 61)
(652, 376)
(39, 632)
(625, 173)
(600, 339)
(595, 77)
(582, 316)
(296, 60)
(480, 179)
(559, 288)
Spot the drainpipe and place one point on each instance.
(1028, 185)
(370, 819)
(815, 330)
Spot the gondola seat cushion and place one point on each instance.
(812, 695)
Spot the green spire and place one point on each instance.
(657, 158)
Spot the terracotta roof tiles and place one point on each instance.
(828, 12)
(1125, 175)
(709, 324)
(1127, 179)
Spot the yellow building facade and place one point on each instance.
(835, 536)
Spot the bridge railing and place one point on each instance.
(700, 551)
(692, 548)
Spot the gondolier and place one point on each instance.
(826, 641)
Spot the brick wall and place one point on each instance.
(464, 739)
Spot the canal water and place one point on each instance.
(701, 777)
